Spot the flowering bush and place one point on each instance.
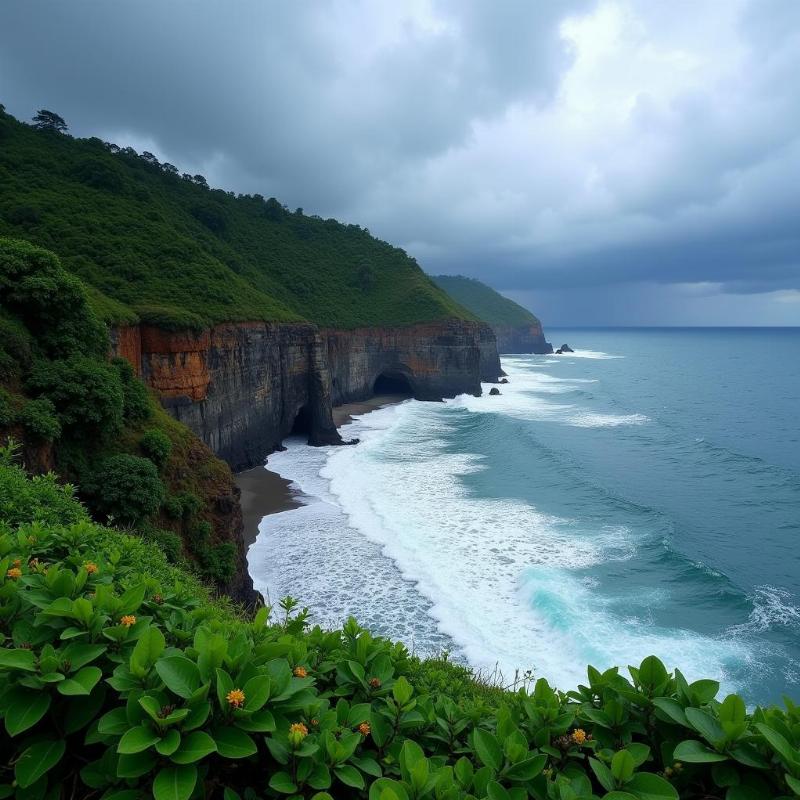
(121, 679)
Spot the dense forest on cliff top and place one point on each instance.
(164, 247)
(485, 302)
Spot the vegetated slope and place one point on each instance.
(96, 423)
(485, 302)
(121, 678)
(168, 249)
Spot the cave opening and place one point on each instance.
(394, 383)
(302, 422)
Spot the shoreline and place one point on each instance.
(264, 492)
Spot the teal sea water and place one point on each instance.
(640, 496)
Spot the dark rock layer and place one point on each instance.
(524, 339)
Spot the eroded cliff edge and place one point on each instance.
(521, 339)
(243, 387)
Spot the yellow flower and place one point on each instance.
(90, 567)
(364, 729)
(297, 732)
(579, 736)
(14, 573)
(17, 562)
(128, 620)
(235, 698)
(300, 672)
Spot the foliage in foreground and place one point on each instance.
(120, 678)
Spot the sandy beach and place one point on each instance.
(265, 492)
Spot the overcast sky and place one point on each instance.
(600, 161)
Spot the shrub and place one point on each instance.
(51, 302)
(219, 562)
(7, 414)
(168, 542)
(183, 504)
(120, 678)
(157, 446)
(135, 398)
(126, 488)
(86, 392)
(40, 420)
(199, 534)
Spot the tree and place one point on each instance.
(49, 121)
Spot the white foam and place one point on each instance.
(588, 419)
(397, 539)
(773, 607)
(595, 354)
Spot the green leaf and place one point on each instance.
(17, 659)
(672, 709)
(652, 672)
(282, 782)
(708, 727)
(779, 744)
(195, 746)
(136, 740)
(527, 769)
(603, 774)
(349, 776)
(79, 655)
(487, 748)
(169, 743)
(256, 692)
(647, 786)
(135, 765)
(694, 752)
(233, 743)
(180, 675)
(25, 709)
(368, 765)
(622, 765)
(81, 683)
(147, 651)
(115, 722)
(793, 783)
(175, 783)
(495, 791)
(320, 777)
(402, 691)
(37, 760)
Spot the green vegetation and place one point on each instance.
(93, 419)
(485, 302)
(120, 678)
(165, 248)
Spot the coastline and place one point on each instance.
(264, 492)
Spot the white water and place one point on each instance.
(391, 535)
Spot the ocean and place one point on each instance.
(641, 496)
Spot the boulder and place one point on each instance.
(565, 348)
(503, 380)
(494, 390)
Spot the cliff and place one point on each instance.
(521, 339)
(517, 330)
(243, 387)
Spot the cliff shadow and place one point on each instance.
(302, 425)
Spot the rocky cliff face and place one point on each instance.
(243, 387)
(524, 339)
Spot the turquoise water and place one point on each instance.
(642, 495)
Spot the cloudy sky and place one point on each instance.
(601, 161)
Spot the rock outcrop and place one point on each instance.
(243, 387)
(521, 339)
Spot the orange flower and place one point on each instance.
(128, 620)
(578, 736)
(364, 729)
(300, 672)
(235, 698)
(17, 562)
(14, 573)
(297, 732)
(375, 683)
(90, 567)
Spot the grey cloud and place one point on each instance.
(505, 140)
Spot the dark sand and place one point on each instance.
(265, 492)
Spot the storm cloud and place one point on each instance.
(601, 161)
